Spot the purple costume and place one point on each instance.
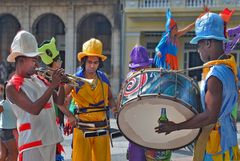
(139, 59)
(135, 152)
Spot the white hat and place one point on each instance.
(24, 44)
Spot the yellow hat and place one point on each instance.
(92, 47)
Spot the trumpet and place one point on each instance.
(68, 78)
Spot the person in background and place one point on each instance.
(167, 48)
(52, 60)
(32, 101)
(218, 139)
(91, 140)
(139, 59)
(8, 123)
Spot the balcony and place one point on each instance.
(200, 3)
(180, 3)
(153, 3)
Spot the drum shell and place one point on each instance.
(143, 96)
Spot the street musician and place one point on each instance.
(91, 139)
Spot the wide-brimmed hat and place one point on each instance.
(92, 47)
(209, 26)
(24, 44)
(139, 57)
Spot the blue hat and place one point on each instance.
(209, 26)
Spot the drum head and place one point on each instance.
(138, 118)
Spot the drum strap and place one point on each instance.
(201, 143)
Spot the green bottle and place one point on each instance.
(163, 117)
(164, 155)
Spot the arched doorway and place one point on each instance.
(9, 26)
(96, 26)
(48, 26)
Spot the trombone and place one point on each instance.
(68, 79)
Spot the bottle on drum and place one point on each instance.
(163, 117)
(159, 155)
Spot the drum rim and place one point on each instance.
(163, 71)
(160, 96)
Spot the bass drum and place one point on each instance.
(144, 94)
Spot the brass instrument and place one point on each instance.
(68, 78)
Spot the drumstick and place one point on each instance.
(193, 68)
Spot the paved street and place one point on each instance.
(119, 149)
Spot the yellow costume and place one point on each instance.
(89, 98)
(86, 97)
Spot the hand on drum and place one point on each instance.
(166, 127)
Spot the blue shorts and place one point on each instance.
(6, 134)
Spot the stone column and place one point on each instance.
(26, 18)
(70, 41)
(115, 60)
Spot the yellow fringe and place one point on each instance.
(229, 62)
(218, 157)
(236, 153)
(214, 144)
(227, 156)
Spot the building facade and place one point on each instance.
(71, 22)
(119, 24)
(144, 23)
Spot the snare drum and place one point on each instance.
(143, 96)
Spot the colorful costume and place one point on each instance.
(234, 35)
(95, 148)
(38, 134)
(167, 46)
(222, 142)
(51, 55)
